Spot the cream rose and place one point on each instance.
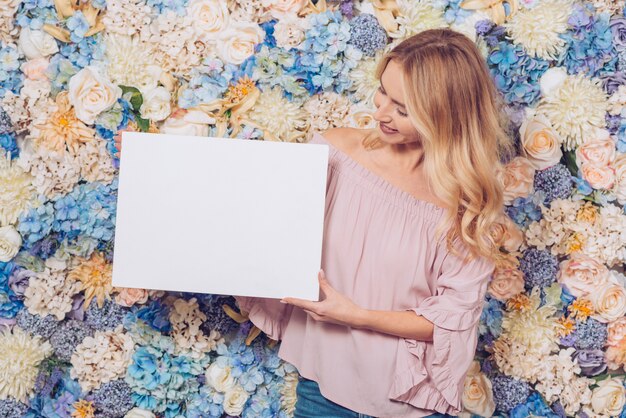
(518, 179)
(609, 302)
(506, 283)
(187, 122)
(36, 43)
(35, 69)
(540, 143)
(620, 178)
(10, 243)
(581, 274)
(219, 378)
(609, 397)
(279, 8)
(599, 152)
(616, 332)
(139, 413)
(234, 400)
(289, 31)
(91, 94)
(598, 177)
(156, 104)
(237, 42)
(129, 296)
(477, 392)
(506, 234)
(210, 17)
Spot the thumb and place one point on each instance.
(324, 284)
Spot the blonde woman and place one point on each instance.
(407, 251)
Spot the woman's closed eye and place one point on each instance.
(398, 111)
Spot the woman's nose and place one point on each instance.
(382, 112)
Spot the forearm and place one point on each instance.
(405, 324)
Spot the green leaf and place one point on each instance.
(29, 262)
(142, 124)
(569, 159)
(136, 99)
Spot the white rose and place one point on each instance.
(91, 94)
(289, 31)
(280, 8)
(139, 413)
(187, 122)
(237, 42)
(609, 397)
(609, 301)
(477, 393)
(540, 143)
(551, 80)
(10, 243)
(156, 104)
(210, 17)
(36, 43)
(620, 178)
(234, 400)
(219, 378)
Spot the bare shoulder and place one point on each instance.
(347, 140)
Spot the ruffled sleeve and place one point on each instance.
(269, 315)
(430, 375)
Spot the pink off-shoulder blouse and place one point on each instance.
(381, 251)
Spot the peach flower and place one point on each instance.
(35, 69)
(517, 179)
(540, 143)
(128, 296)
(507, 281)
(617, 332)
(598, 177)
(599, 152)
(581, 274)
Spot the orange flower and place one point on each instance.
(83, 409)
(519, 302)
(567, 326)
(581, 309)
(95, 275)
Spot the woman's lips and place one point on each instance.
(387, 129)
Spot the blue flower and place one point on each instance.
(509, 392)
(540, 268)
(78, 26)
(491, 318)
(367, 35)
(555, 182)
(11, 77)
(163, 6)
(523, 211)
(535, 405)
(209, 82)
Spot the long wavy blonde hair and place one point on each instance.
(453, 104)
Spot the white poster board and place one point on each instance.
(220, 216)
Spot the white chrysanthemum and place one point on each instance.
(538, 29)
(21, 355)
(327, 110)
(288, 396)
(126, 17)
(52, 175)
(416, 16)
(364, 80)
(286, 121)
(576, 108)
(102, 358)
(186, 319)
(617, 101)
(51, 292)
(129, 62)
(16, 191)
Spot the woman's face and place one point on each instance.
(394, 123)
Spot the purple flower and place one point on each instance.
(591, 362)
(612, 81)
(618, 28)
(19, 280)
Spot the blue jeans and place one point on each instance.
(312, 404)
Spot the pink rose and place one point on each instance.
(130, 296)
(506, 234)
(617, 332)
(507, 281)
(517, 179)
(598, 177)
(599, 152)
(581, 274)
(35, 69)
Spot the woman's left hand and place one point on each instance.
(334, 308)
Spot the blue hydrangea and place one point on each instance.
(56, 398)
(208, 82)
(277, 67)
(454, 13)
(516, 74)
(36, 223)
(217, 319)
(10, 408)
(589, 43)
(491, 318)
(207, 403)
(535, 405)
(156, 314)
(44, 326)
(83, 53)
(540, 268)
(265, 403)
(525, 210)
(367, 35)
(11, 78)
(59, 71)
(106, 318)
(8, 144)
(590, 334)
(35, 13)
(10, 303)
(164, 6)
(78, 26)
(555, 182)
(113, 399)
(490, 32)
(509, 392)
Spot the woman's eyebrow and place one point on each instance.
(392, 99)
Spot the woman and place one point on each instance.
(407, 251)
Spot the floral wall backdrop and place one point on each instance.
(75, 74)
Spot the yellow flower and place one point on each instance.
(574, 243)
(237, 92)
(519, 302)
(567, 326)
(95, 277)
(83, 409)
(581, 309)
(587, 213)
(16, 191)
(63, 131)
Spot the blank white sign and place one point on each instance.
(221, 216)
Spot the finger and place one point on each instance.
(301, 303)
